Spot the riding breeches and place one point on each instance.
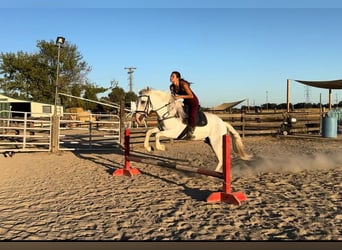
(193, 105)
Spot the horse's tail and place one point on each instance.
(238, 146)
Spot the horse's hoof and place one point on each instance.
(218, 169)
(161, 148)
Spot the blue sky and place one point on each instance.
(229, 50)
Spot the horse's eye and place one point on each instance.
(143, 102)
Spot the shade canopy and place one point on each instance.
(226, 105)
(333, 84)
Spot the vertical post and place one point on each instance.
(55, 134)
(127, 170)
(248, 108)
(54, 140)
(243, 124)
(320, 114)
(127, 149)
(122, 122)
(226, 195)
(226, 164)
(288, 95)
(90, 131)
(330, 99)
(25, 130)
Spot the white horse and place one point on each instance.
(171, 124)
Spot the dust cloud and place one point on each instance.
(286, 163)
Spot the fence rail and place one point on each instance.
(23, 132)
(96, 132)
(266, 123)
(101, 131)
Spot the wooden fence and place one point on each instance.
(268, 123)
(252, 124)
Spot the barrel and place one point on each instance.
(337, 112)
(329, 127)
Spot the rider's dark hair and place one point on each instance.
(178, 75)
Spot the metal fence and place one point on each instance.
(95, 132)
(20, 132)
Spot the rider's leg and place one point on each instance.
(191, 121)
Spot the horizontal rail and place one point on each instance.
(175, 166)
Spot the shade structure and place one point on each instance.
(332, 84)
(225, 106)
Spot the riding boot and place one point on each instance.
(189, 135)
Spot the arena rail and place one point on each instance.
(221, 196)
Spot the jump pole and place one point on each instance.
(224, 196)
(127, 170)
(176, 166)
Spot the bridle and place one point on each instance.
(149, 108)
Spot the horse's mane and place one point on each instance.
(174, 108)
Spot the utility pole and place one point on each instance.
(130, 72)
(307, 94)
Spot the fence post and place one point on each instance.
(90, 130)
(243, 124)
(55, 134)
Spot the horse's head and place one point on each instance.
(150, 100)
(143, 105)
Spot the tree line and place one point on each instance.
(32, 76)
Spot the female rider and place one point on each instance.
(180, 89)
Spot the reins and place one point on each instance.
(150, 104)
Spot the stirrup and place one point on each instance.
(189, 134)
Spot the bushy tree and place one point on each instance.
(33, 76)
(116, 95)
(130, 97)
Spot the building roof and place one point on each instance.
(4, 98)
(333, 84)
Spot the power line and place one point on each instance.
(307, 94)
(130, 72)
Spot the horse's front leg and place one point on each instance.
(147, 138)
(165, 133)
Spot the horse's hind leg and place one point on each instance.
(147, 138)
(216, 145)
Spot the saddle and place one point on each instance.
(201, 121)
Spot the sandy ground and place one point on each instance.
(293, 186)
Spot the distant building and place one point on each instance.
(36, 109)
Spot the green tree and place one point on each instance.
(33, 76)
(19, 73)
(90, 93)
(130, 97)
(116, 95)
